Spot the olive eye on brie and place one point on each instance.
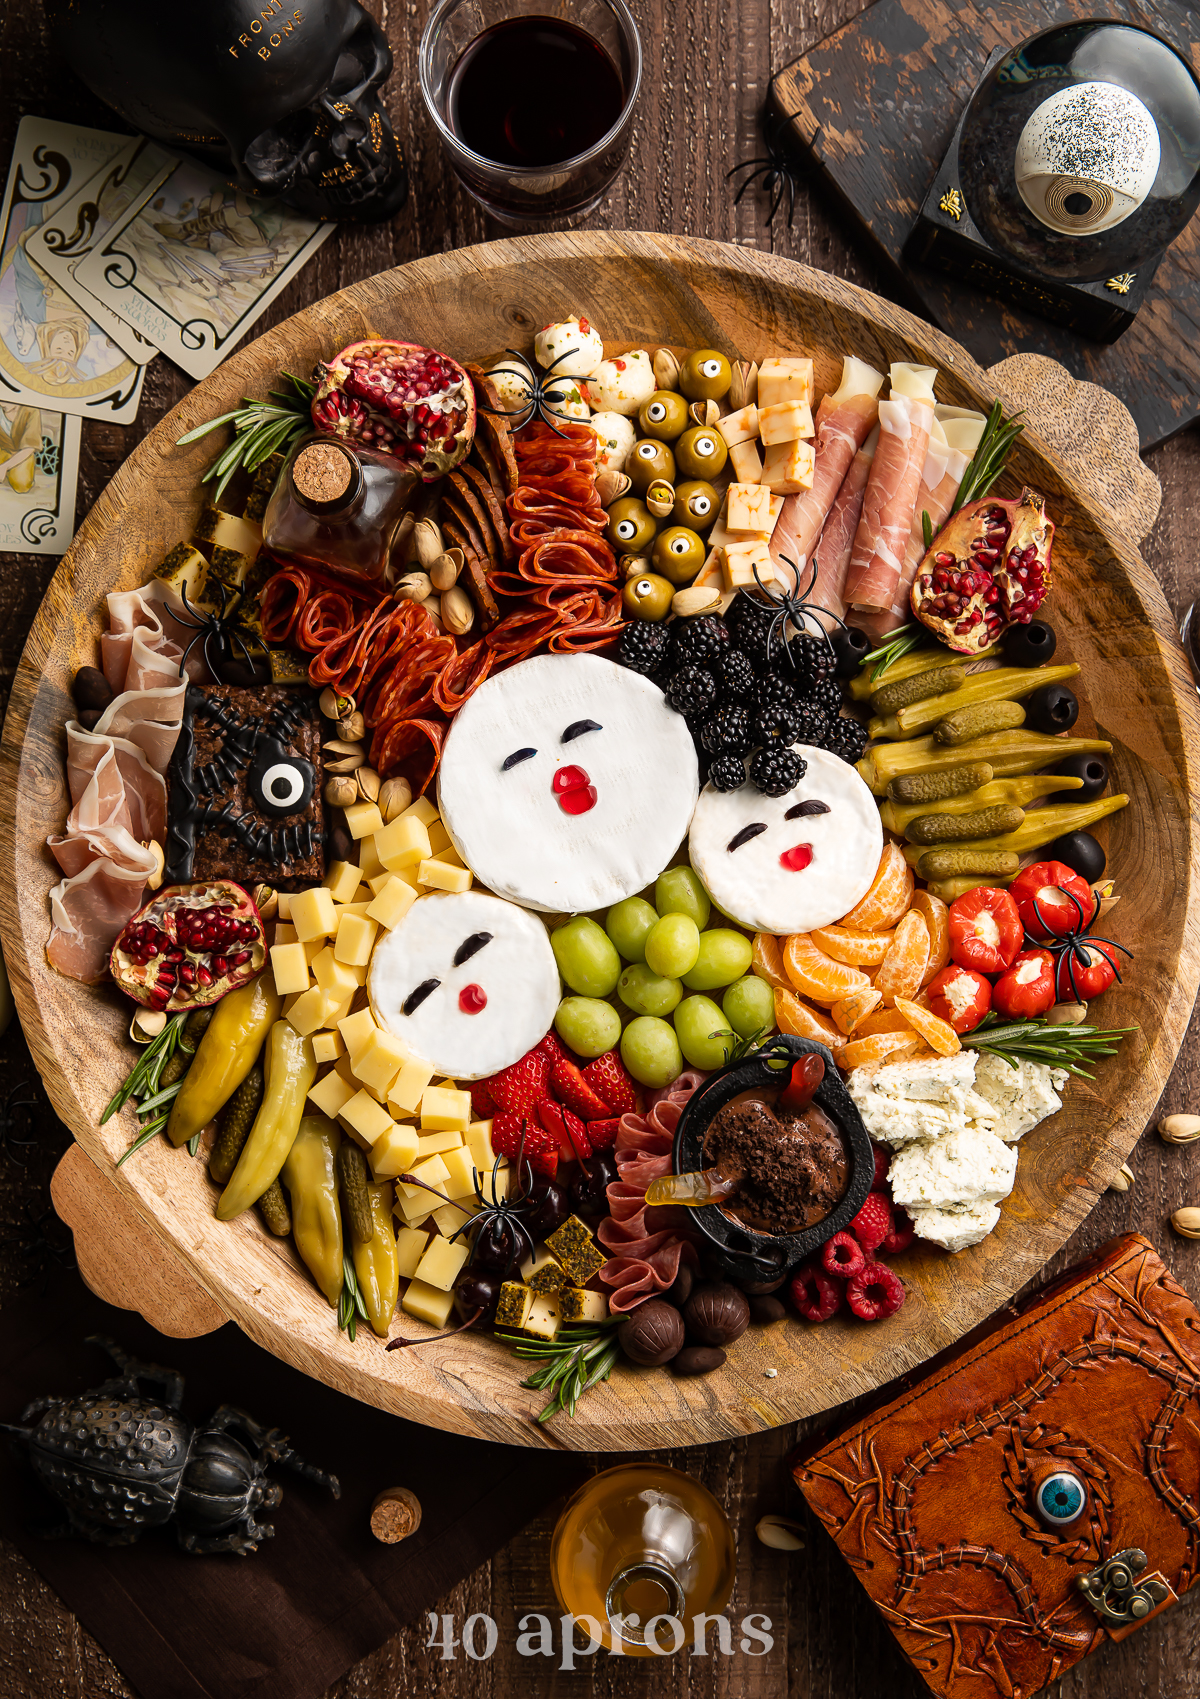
(577, 728)
(515, 759)
(281, 785)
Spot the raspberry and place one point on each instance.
(873, 1222)
(814, 1294)
(843, 1255)
(876, 1293)
(883, 1162)
(901, 1235)
(603, 1134)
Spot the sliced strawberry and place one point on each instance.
(609, 1080)
(514, 1135)
(565, 1128)
(482, 1102)
(520, 1087)
(570, 1087)
(603, 1134)
(552, 1046)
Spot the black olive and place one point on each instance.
(1080, 852)
(652, 1334)
(850, 645)
(1029, 645)
(697, 1360)
(765, 1309)
(716, 1314)
(1053, 708)
(1092, 769)
(91, 689)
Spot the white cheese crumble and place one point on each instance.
(965, 1167)
(956, 1229)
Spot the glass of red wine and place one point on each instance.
(534, 110)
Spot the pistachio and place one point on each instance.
(458, 615)
(781, 1533)
(660, 498)
(414, 587)
(1180, 1129)
(333, 705)
(368, 782)
(1067, 1014)
(395, 795)
(611, 486)
(426, 544)
(266, 901)
(443, 574)
(666, 369)
(340, 792)
(155, 879)
(693, 600)
(342, 757)
(433, 607)
(1124, 1180)
(402, 533)
(1186, 1222)
(704, 413)
(147, 1024)
(744, 388)
(353, 728)
(632, 565)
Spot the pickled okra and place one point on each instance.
(862, 685)
(896, 816)
(1040, 826)
(1002, 684)
(1006, 753)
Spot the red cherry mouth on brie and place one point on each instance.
(797, 858)
(575, 791)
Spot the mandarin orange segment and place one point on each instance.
(767, 961)
(854, 1009)
(903, 967)
(883, 1020)
(817, 975)
(802, 1021)
(937, 1033)
(937, 919)
(889, 897)
(884, 1047)
(857, 949)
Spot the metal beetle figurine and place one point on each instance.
(118, 1461)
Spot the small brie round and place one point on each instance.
(753, 883)
(504, 958)
(569, 348)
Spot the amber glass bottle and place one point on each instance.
(337, 507)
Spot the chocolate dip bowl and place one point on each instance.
(741, 1253)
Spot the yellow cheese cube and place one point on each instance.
(496, 1183)
(332, 975)
(460, 1168)
(392, 901)
(353, 908)
(441, 876)
(449, 1217)
(357, 1029)
(377, 881)
(784, 377)
(433, 1144)
(366, 1117)
(379, 1060)
(363, 818)
(741, 426)
(413, 1211)
(284, 899)
(327, 1047)
(451, 856)
(740, 559)
(409, 1086)
(479, 1143)
(395, 1153)
(285, 933)
(403, 843)
(289, 1003)
(578, 1304)
(308, 1012)
(439, 837)
(748, 508)
(427, 1303)
(289, 965)
(331, 1094)
(746, 462)
(442, 1263)
(784, 423)
(312, 949)
(410, 1248)
(368, 858)
(432, 1171)
(313, 914)
(545, 1314)
(342, 879)
(355, 939)
(422, 809)
(788, 468)
(337, 1014)
(442, 1108)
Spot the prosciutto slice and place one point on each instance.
(837, 538)
(644, 1258)
(906, 421)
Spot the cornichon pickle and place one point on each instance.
(953, 828)
(862, 685)
(949, 890)
(945, 863)
(177, 1065)
(979, 720)
(1002, 684)
(352, 1184)
(916, 688)
(195, 1026)
(234, 1125)
(274, 1210)
(936, 787)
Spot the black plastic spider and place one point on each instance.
(539, 390)
(1072, 946)
(774, 167)
(791, 607)
(41, 1249)
(18, 1133)
(219, 639)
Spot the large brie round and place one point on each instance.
(477, 977)
(763, 879)
(567, 783)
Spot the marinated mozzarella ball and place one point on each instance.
(512, 385)
(564, 398)
(575, 339)
(615, 437)
(622, 384)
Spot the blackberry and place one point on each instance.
(828, 692)
(727, 773)
(691, 690)
(750, 622)
(734, 675)
(847, 738)
(644, 647)
(812, 723)
(775, 770)
(804, 662)
(729, 732)
(769, 690)
(698, 642)
(778, 722)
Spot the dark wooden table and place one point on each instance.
(707, 69)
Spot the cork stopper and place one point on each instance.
(395, 1515)
(323, 473)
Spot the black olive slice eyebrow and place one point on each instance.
(578, 727)
(516, 756)
(415, 998)
(745, 835)
(812, 806)
(470, 947)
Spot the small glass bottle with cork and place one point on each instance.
(337, 507)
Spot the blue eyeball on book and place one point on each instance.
(1060, 1499)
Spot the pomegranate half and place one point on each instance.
(399, 399)
(189, 945)
(987, 569)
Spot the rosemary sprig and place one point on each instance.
(142, 1079)
(898, 643)
(260, 429)
(350, 1304)
(579, 1358)
(987, 463)
(1036, 1040)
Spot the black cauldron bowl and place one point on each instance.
(743, 1256)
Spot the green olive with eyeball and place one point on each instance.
(678, 554)
(696, 505)
(648, 596)
(701, 453)
(705, 375)
(631, 526)
(649, 459)
(664, 416)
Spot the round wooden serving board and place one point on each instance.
(1110, 616)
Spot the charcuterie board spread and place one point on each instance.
(609, 856)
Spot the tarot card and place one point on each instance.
(197, 263)
(39, 469)
(52, 354)
(64, 237)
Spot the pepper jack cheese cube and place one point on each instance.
(784, 423)
(355, 939)
(784, 377)
(392, 901)
(366, 1117)
(410, 1248)
(409, 1086)
(513, 1305)
(441, 1109)
(433, 1144)
(403, 843)
(356, 1030)
(740, 559)
(289, 964)
(544, 1316)
(328, 1046)
(341, 880)
(441, 876)
(313, 914)
(442, 1262)
(394, 1153)
(578, 1305)
(748, 508)
(309, 1010)
(572, 1244)
(461, 1170)
(432, 1171)
(363, 819)
(427, 1303)
(332, 975)
(739, 427)
(746, 462)
(331, 1095)
(379, 1060)
(542, 1271)
(788, 468)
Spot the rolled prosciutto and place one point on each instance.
(837, 538)
(906, 422)
(844, 420)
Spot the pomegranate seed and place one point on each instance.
(987, 557)
(962, 626)
(187, 973)
(976, 616)
(238, 960)
(944, 559)
(220, 965)
(204, 976)
(991, 596)
(940, 580)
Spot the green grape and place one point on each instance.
(724, 956)
(696, 1020)
(627, 924)
(672, 945)
(586, 957)
(749, 1006)
(679, 891)
(587, 1025)
(647, 992)
(650, 1050)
